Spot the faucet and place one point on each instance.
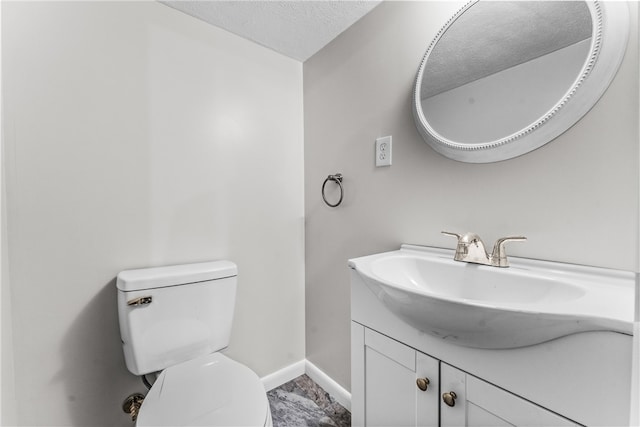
(471, 249)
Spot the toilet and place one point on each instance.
(175, 320)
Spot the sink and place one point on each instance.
(480, 306)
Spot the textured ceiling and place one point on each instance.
(297, 29)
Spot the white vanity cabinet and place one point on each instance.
(389, 391)
(578, 379)
(401, 384)
(480, 404)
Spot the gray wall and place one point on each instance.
(576, 199)
(138, 136)
(7, 381)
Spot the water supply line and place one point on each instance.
(146, 382)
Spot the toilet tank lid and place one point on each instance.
(158, 277)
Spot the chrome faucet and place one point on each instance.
(471, 249)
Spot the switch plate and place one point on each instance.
(383, 151)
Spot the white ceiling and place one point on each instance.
(295, 28)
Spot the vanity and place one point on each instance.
(436, 342)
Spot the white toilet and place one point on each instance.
(175, 320)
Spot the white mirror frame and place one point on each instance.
(608, 45)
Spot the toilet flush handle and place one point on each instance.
(140, 301)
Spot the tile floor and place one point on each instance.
(301, 402)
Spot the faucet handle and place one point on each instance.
(461, 250)
(449, 233)
(499, 255)
(470, 248)
(466, 238)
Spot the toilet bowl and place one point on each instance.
(175, 320)
(212, 390)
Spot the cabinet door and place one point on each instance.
(392, 396)
(384, 389)
(478, 403)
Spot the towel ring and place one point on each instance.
(337, 178)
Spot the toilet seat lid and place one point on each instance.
(212, 390)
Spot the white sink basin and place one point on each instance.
(488, 307)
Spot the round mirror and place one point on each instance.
(502, 78)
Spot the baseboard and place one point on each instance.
(290, 372)
(336, 391)
(286, 374)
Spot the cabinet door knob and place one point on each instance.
(449, 398)
(422, 383)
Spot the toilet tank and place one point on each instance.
(172, 314)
